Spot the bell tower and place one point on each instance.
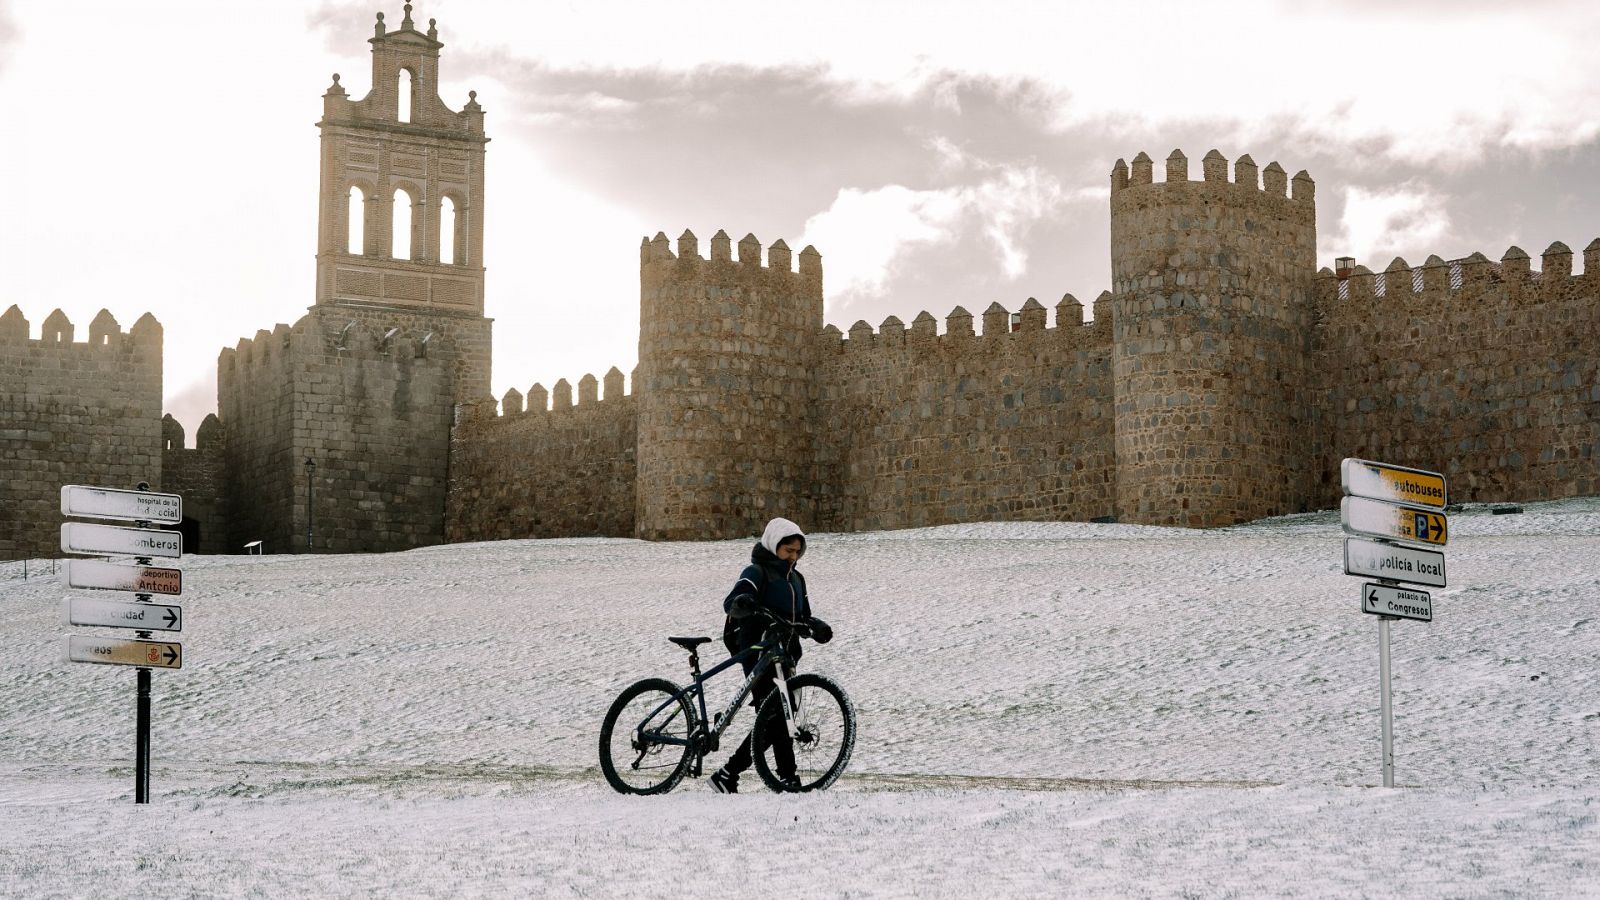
(400, 220)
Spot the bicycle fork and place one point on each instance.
(791, 709)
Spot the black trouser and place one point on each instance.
(777, 734)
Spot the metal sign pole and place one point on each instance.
(1387, 709)
(141, 736)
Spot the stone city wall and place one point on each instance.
(197, 474)
(255, 401)
(1212, 282)
(373, 410)
(545, 472)
(73, 413)
(1486, 372)
(726, 387)
(369, 405)
(929, 428)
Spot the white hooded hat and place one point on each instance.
(779, 530)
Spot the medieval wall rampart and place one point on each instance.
(369, 405)
(1212, 282)
(255, 398)
(1488, 372)
(73, 413)
(929, 428)
(198, 474)
(540, 471)
(726, 418)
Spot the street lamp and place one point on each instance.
(311, 499)
(1343, 266)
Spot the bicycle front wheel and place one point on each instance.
(644, 742)
(825, 726)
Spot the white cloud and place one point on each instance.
(871, 232)
(867, 232)
(1419, 83)
(1378, 225)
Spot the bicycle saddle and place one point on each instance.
(689, 643)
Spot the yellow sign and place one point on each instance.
(1397, 484)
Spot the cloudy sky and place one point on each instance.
(162, 155)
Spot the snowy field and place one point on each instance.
(1045, 709)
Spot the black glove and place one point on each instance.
(742, 605)
(820, 632)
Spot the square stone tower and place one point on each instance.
(338, 428)
(400, 221)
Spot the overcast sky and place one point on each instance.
(162, 156)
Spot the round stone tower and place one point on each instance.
(1212, 287)
(725, 387)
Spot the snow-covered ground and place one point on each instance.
(1045, 708)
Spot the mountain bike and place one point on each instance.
(656, 732)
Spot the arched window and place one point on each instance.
(356, 241)
(447, 231)
(401, 242)
(404, 95)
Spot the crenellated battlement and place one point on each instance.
(1271, 183)
(1000, 328)
(57, 332)
(657, 260)
(537, 402)
(73, 411)
(1467, 279)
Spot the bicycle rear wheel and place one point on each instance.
(826, 724)
(632, 755)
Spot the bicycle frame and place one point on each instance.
(704, 738)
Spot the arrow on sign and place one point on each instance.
(1429, 527)
(171, 655)
(172, 617)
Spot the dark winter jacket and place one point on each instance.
(771, 584)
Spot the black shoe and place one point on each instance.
(724, 782)
(789, 784)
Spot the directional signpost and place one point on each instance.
(1389, 509)
(120, 652)
(144, 508)
(103, 576)
(122, 614)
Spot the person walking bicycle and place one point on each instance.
(772, 587)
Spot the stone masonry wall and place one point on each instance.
(370, 405)
(930, 428)
(567, 471)
(198, 475)
(1212, 282)
(1489, 373)
(73, 413)
(726, 387)
(468, 336)
(373, 409)
(255, 397)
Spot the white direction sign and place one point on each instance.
(99, 575)
(110, 503)
(122, 614)
(1393, 562)
(119, 652)
(1403, 603)
(81, 537)
(1377, 519)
